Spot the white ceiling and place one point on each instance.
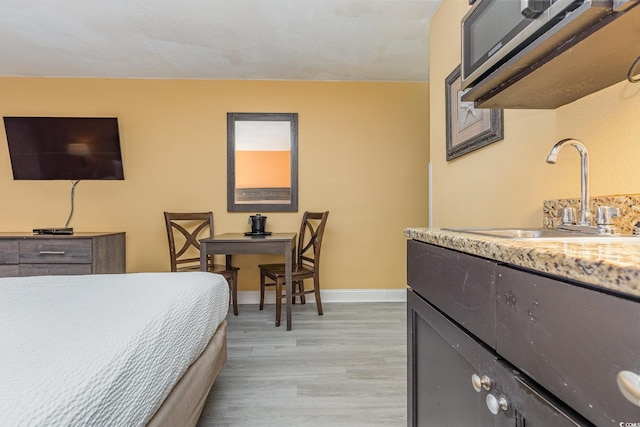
(366, 40)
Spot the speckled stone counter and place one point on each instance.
(613, 265)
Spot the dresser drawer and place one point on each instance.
(55, 251)
(8, 251)
(53, 269)
(461, 285)
(9, 270)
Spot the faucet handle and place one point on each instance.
(605, 214)
(568, 215)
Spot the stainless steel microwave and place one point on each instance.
(493, 31)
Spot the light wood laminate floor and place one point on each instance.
(345, 368)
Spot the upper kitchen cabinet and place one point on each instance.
(563, 65)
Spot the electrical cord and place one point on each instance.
(73, 190)
(630, 76)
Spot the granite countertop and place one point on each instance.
(613, 265)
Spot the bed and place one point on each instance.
(113, 349)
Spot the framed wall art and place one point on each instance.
(468, 128)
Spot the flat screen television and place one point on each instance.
(69, 148)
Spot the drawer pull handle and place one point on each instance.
(629, 385)
(495, 404)
(51, 252)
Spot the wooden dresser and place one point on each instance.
(25, 254)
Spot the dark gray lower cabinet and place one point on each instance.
(442, 360)
(445, 360)
(480, 339)
(574, 340)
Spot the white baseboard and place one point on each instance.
(333, 295)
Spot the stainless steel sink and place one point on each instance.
(536, 233)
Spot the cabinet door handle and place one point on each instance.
(480, 383)
(51, 252)
(495, 404)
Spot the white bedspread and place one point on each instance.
(101, 350)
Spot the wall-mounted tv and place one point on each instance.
(70, 148)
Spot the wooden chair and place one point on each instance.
(306, 264)
(187, 229)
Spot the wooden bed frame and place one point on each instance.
(186, 400)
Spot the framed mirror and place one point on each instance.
(262, 162)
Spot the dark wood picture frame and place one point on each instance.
(262, 199)
(468, 128)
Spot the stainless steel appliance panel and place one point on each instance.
(493, 31)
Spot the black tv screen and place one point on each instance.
(73, 148)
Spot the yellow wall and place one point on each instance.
(505, 183)
(363, 150)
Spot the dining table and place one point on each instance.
(250, 243)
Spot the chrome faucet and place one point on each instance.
(585, 200)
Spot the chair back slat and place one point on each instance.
(310, 238)
(191, 227)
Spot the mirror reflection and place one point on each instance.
(262, 162)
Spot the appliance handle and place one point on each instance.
(533, 8)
